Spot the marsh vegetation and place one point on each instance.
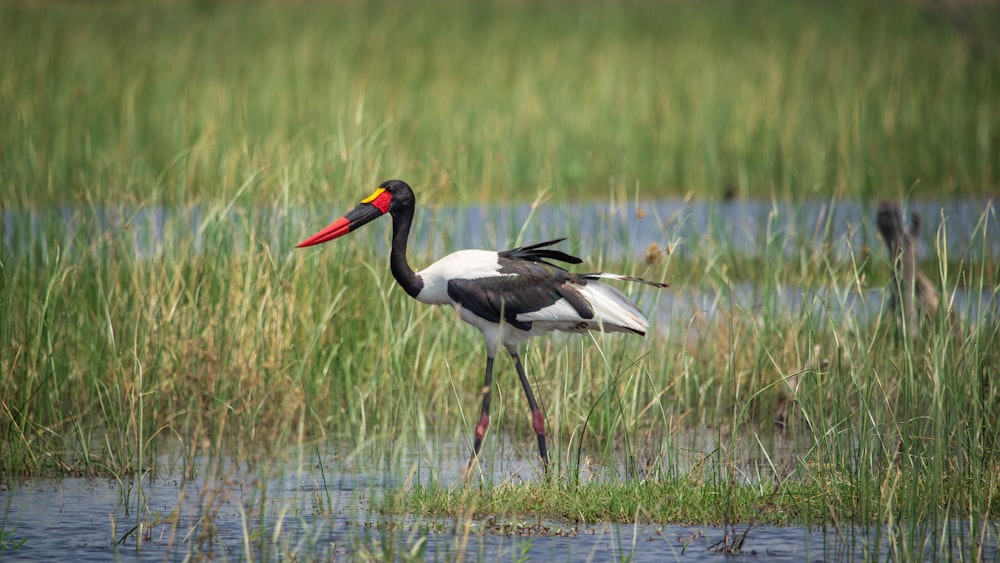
(159, 161)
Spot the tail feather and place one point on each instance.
(613, 310)
(619, 277)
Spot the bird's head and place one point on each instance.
(391, 196)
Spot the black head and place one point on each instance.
(401, 195)
(392, 196)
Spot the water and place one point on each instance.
(294, 510)
(966, 229)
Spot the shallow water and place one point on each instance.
(963, 229)
(294, 510)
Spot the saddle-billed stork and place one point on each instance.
(510, 295)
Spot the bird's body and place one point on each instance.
(510, 295)
(511, 300)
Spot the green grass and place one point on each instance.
(172, 102)
(684, 501)
(224, 340)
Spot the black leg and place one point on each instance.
(484, 414)
(537, 418)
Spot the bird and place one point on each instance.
(510, 296)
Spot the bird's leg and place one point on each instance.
(484, 414)
(537, 418)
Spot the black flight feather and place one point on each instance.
(538, 253)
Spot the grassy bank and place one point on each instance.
(169, 102)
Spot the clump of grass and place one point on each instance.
(678, 500)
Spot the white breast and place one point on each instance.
(463, 264)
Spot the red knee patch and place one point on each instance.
(484, 423)
(538, 421)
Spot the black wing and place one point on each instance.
(524, 284)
